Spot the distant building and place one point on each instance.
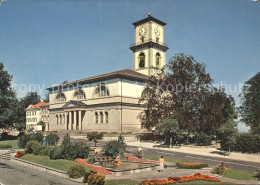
(35, 114)
(110, 102)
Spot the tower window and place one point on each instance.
(142, 60)
(157, 59)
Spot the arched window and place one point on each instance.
(101, 91)
(79, 95)
(141, 60)
(157, 59)
(106, 114)
(101, 117)
(96, 117)
(146, 92)
(61, 97)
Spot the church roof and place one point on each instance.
(147, 19)
(125, 73)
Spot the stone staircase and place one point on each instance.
(6, 154)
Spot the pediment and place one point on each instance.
(76, 104)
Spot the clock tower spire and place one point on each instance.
(149, 47)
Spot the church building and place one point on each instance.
(110, 102)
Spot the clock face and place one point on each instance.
(157, 31)
(142, 31)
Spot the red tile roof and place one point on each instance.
(38, 105)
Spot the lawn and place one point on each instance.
(60, 164)
(151, 157)
(13, 143)
(132, 182)
(239, 175)
(122, 182)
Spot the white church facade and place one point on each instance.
(110, 102)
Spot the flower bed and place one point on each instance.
(98, 169)
(130, 158)
(191, 165)
(171, 180)
(18, 155)
(219, 169)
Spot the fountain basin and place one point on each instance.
(129, 167)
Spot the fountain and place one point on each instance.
(123, 167)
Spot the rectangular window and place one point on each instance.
(106, 114)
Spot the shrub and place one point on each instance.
(31, 146)
(203, 140)
(219, 169)
(69, 151)
(38, 150)
(25, 138)
(76, 151)
(3, 146)
(72, 151)
(87, 174)
(96, 179)
(46, 151)
(76, 171)
(122, 140)
(56, 153)
(258, 174)
(95, 136)
(191, 165)
(91, 159)
(150, 137)
(52, 139)
(114, 148)
(247, 143)
(37, 136)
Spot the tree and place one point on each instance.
(95, 136)
(186, 94)
(7, 99)
(42, 124)
(170, 129)
(21, 105)
(52, 139)
(250, 103)
(226, 134)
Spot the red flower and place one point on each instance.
(97, 169)
(171, 180)
(18, 155)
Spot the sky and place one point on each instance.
(43, 43)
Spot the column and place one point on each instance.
(75, 121)
(69, 127)
(80, 121)
(65, 121)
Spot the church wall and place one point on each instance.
(89, 123)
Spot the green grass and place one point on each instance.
(132, 182)
(151, 157)
(239, 175)
(122, 182)
(59, 164)
(13, 143)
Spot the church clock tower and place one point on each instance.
(149, 47)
